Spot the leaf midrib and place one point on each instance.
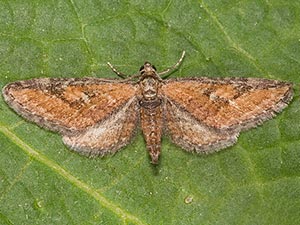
(70, 178)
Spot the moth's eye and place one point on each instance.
(142, 67)
(154, 67)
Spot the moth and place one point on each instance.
(99, 116)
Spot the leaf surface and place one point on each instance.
(254, 182)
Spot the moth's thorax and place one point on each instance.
(149, 87)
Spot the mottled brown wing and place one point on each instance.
(192, 135)
(68, 105)
(229, 103)
(109, 135)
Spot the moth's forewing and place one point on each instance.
(67, 105)
(229, 103)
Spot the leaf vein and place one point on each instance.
(69, 177)
(233, 44)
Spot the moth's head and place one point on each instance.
(148, 69)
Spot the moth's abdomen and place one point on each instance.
(152, 125)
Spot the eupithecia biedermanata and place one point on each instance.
(99, 116)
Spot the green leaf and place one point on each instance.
(254, 182)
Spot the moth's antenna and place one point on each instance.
(174, 66)
(122, 75)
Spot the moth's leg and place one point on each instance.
(174, 66)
